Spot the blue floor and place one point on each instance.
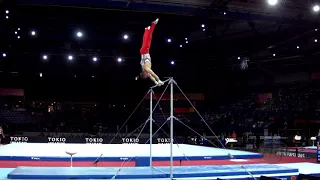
(145, 172)
(4, 172)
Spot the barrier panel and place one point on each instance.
(88, 140)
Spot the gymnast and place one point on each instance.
(145, 56)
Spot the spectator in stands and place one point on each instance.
(1, 134)
(318, 138)
(222, 139)
(257, 141)
(234, 135)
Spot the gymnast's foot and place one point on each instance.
(156, 21)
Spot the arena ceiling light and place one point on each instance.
(316, 8)
(7, 17)
(4, 55)
(203, 25)
(125, 36)
(94, 59)
(7, 11)
(70, 57)
(172, 62)
(169, 40)
(272, 2)
(33, 33)
(45, 57)
(79, 34)
(119, 59)
(181, 45)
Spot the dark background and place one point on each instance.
(207, 64)
(277, 44)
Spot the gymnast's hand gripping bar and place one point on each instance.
(167, 80)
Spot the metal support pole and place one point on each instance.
(150, 121)
(171, 127)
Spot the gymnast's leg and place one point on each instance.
(144, 49)
(151, 29)
(147, 37)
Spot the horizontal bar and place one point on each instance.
(158, 85)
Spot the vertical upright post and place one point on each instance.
(150, 121)
(171, 127)
(71, 163)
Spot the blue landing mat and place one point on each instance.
(145, 172)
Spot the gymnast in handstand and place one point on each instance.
(145, 56)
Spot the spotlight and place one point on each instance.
(70, 57)
(33, 33)
(7, 17)
(172, 62)
(4, 54)
(181, 45)
(169, 40)
(125, 36)
(119, 60)
(79, 34)
(92, 76)
(272, 2)
(202, 25)
(315, 40)
(316, 8)
(273, 54)
(315, 29)
(239, 58)
(7, 11)
(18, 29)
(186, 39)
(15, 32)
(18, 37)
(298, 47)
(203, 29)
(224, 13)
(187, 42)
(40, 74)
(44, 57)
(94, 59)
(75, 76)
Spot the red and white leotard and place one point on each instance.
(146, 44)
